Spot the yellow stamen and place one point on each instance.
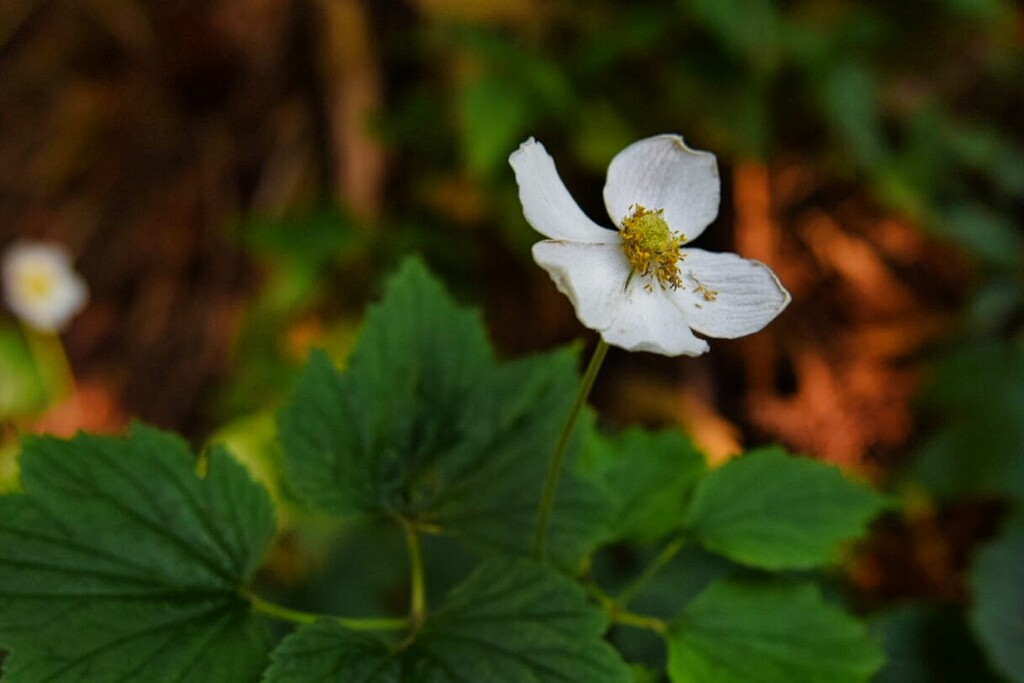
(651, 247)
(701, 288)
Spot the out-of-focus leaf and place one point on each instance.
(495, 115)
(252, 440)
(740, 632)
(773, 510)
(314, 237)
(928, 644)
(977, 396)
(992, 304)
(980, 9)
(642, 674)
(990, 236)
(602, 134)
(849, 94)
(997, 577)
(748, 27)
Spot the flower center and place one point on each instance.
(651, 247)
(37, 283)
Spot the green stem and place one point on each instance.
(418, 599)
(618, 614)
(295, 616)
(51, 361)
(656, 565)
(640, 621)
(547, 500)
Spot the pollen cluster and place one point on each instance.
(651, 247)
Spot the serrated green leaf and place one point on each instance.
(772, 510)
(649, 476)
(494, 492)
(997, 578)
(740, 632)
(426, 425)
(119, 563)
(510, 621)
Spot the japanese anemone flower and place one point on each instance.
(40, 286)
(640, 286)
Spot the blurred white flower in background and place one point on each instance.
(637, 286)
(40, 286)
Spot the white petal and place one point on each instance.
(591, 275)
(547, 205)
(747, 295)
(649, 321)
(594, 276)
(65, 297)
(663, 173)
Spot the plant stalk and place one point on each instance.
(656, 565)
(418, 597)
(547, 500)
(295, 616)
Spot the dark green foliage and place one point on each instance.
(738, 632)
(768, 509)
(998, 582)
(978, 394)
(510, 621)
(119, 562)
(427, 426)
(649, 476)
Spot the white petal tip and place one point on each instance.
(523, 148)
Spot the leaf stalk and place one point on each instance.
(282, 613)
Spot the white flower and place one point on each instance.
(636, 286)
(40, 286)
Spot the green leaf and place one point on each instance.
(426, 425)
(977, 396)
(649, 476)
(997, 578)
(738, 632)
(643, 674)
(775, 511)
(493, 494)
(849, 97)
(925, 643)
(510, 621)
(992, 237)
(119, 563)
(494, 114)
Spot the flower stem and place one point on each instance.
(656, 565)
(51, 362)
(418, 598)
(547, 500)
(295, 616)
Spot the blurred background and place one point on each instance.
(235, 178)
